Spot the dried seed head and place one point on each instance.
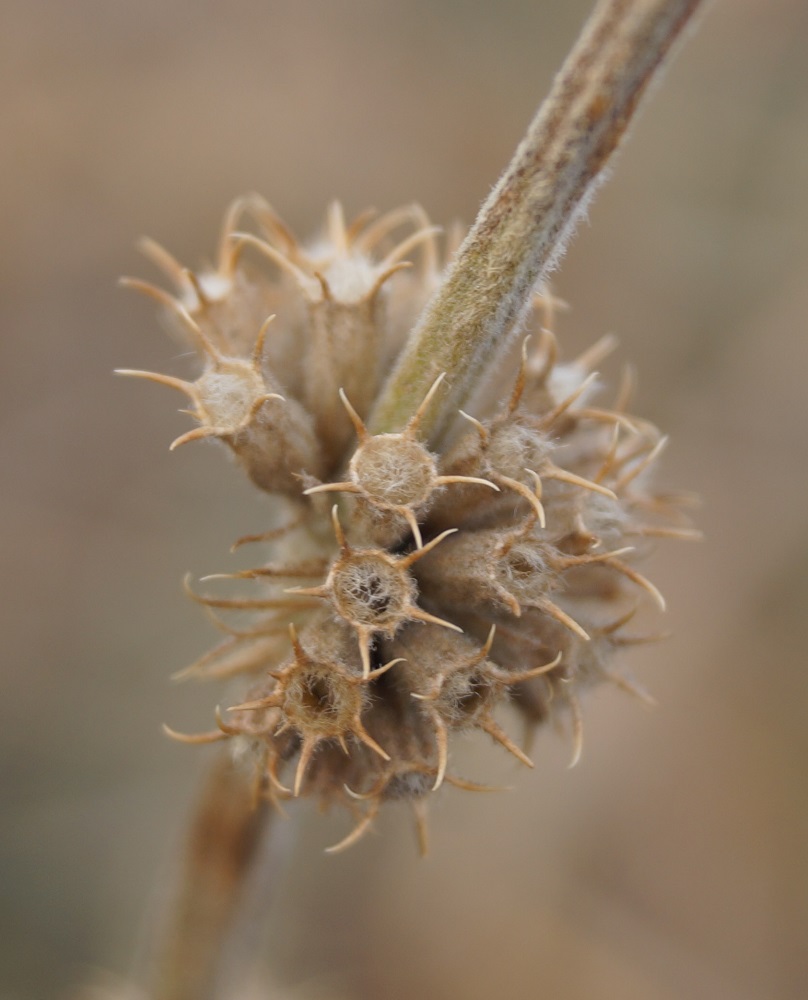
(393, 478)
(235, 402)
(372, 590)
(532, 521)
(319, 694)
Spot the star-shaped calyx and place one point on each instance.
(373, 591)
(236, 401)
(395, 476)
(319, 696)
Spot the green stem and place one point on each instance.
(523, 226)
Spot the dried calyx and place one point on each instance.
(441, 584)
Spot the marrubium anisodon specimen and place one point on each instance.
(427, 559)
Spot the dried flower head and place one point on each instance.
(419, 582)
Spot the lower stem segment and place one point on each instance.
(226, 834)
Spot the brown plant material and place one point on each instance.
(442, 584)
(471, 559)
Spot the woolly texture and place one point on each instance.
(434, 586)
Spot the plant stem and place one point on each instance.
(227, 830)
(523, 226)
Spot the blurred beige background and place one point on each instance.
(674, 860)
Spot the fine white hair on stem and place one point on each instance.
(525, 222)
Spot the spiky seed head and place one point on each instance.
(370, 590)
(394, 471)
(532, 520)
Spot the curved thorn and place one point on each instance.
(424, 616)
(508, 600)
(424, 697)
(207, 346)
(608, 463)
(640, 580)
(188, 388)
(384, 668)
(412, 241)
(549, 418)
(203, 299)
(625, 390)
(480, 427)
(253, 706)
(607, 417)
(362, 734)
(529, 495)
(308, 591)
(162, 259)
(562, 617)
(260, 340)
(266, 536)
(567, 562)
(385, 276)
(274, 629)
(364, 650)
(489, 642)
(524, 675)
(258, 404)
(358, 831)
(356, 225)
(408, 560)
(223, 726)
(577, 729)
(339, 533)
(519, 384)
(160, 295)
(271, 222)
(271, 571)
(416, 417)
(600, 350)
(359, 424)
(235, 603)
(473, 786)
(206, 658)
(306, 284)
(382, 227)
(296, 647)
(562, 476)
(445, 480)
(226, 255)
(682, 534)
(197, 434)
(364, 796)
(275, 781)
(346, 487)
(618, 623)
(325, 288)
(624, 684)
(195, 738)
(504, 740)
(641, 465)
(442, 746)
(306, 752)
(335, 222)
(412, 521)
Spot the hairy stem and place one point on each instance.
(225, 835)
(523, 226)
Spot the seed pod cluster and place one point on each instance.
(410, 593)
